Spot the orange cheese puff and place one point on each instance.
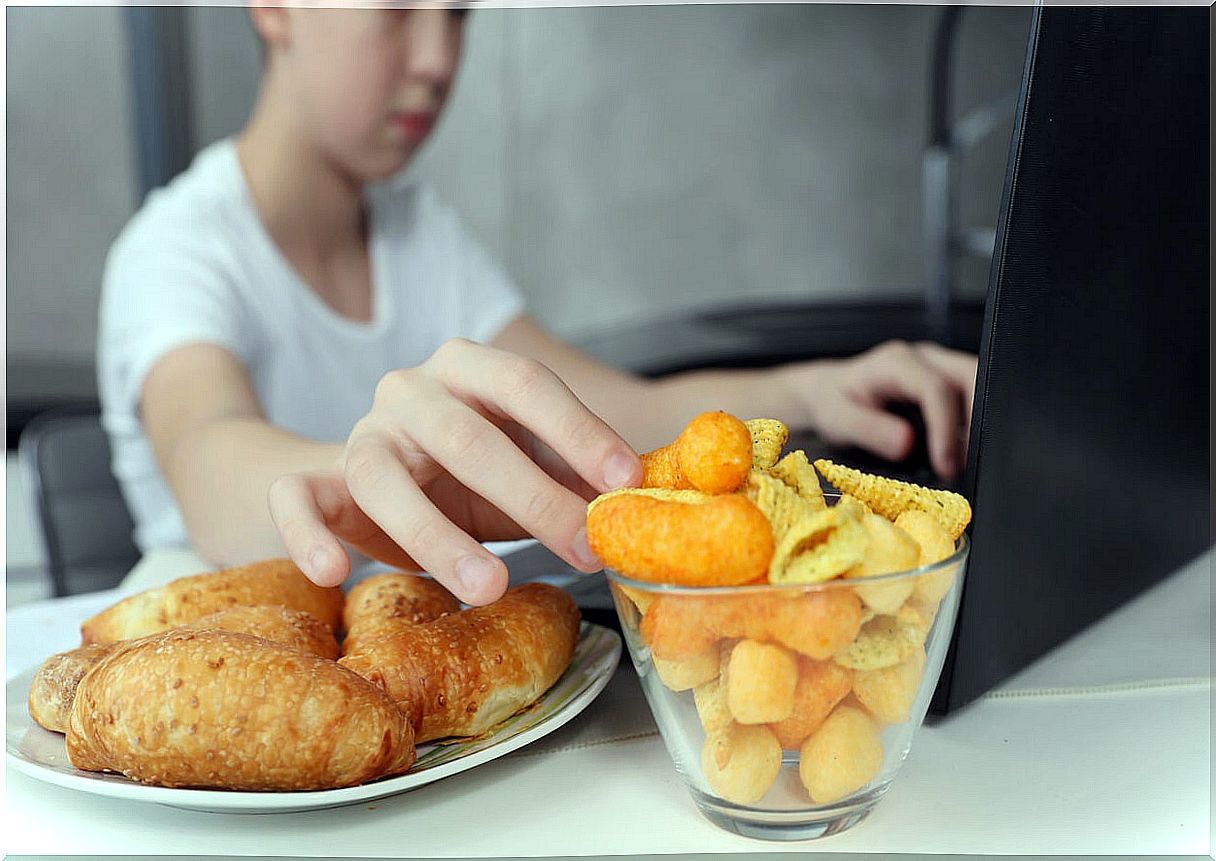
(713, 454)
(842, 756)
(888, 693)
(935, 545)
(676, 628)
(661, 468)
(760, 682)
(889, 550)
(687, 674)
(821, 685)
(741, 762)
(723, 542)
(815, 624)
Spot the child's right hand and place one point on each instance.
(476, 444)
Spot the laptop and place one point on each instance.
(1088, 469)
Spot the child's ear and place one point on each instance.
(271, 21)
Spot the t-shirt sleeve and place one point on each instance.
(161, 289)
(492, 300)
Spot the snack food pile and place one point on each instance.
(817, 670)
(235, 680)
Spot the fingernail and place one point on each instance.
(472, 572)
(317, 561)
(582, 551)
(619, 471)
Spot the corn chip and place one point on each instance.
(769, 436)
(890, 498)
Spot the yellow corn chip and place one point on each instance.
(779, 502)
(796, 471)
(819, 547)
(884, 641)
(768, 438)
(890, 498)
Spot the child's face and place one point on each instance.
(365, 85)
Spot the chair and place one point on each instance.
(84, 521)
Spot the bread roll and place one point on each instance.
(463, 673)
(275, 581)
(220, 709)
(386, 603)
(54, 685)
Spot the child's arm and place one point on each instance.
(474, 444)
(841, 399)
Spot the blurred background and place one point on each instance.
(669, 186)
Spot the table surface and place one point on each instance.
(1102, 746)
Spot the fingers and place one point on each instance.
(476, 453)
(385, 491)
(902, 374)
(871, 428)
(533, 396)
(314, 514)
(960, 368)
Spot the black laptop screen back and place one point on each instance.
(1089, 459)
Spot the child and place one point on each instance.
(299, 353)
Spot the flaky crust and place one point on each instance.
(463, 673)
(386, 603)
(275, 581)
(221, 709)
(54, 686)
(278, 624)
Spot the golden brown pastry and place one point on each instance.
(277, 624)
(385, 603)
(221, 709)
(274, 581)
(54, 685)
(461, 674)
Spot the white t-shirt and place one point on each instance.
(196, 265)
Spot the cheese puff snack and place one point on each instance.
(888, 693)
(712, 454)
(815, 624)
(712, 708)
(796, 471)
(888, 550)
(819, 547)
(935, 545)
(890, 498)
(769, 437)
(821, 685)
(760, 682)
(741, 762)
(842, 756)
(686, 674)
(723, 542)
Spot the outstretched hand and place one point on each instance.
(476, 444)
(844, 399)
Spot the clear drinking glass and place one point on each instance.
(715, 662)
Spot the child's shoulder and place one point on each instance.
(194, 209)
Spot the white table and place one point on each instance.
(1102, 746)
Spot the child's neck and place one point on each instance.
(312, 211)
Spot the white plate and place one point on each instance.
(42, 755)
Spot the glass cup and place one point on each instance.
(788, 709)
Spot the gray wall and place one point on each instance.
(620, 162)
(71, 180)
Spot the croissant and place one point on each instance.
(462, 673)
(275, 581)
(221, 709)
(54, 685)
(385, 603)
